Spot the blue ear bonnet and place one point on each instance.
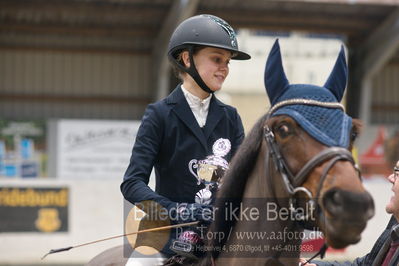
(330, 126)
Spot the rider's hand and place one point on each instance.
(191, 212)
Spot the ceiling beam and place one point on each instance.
(180, 10)
(79, 30)
(68, 8)
(76, 99)
(299, 19)
(351, 2)
(366, 60)
(278, 27)
(69, 49)
(381, 45)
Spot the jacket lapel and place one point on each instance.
(215, 114)
(183, 111)
(379, 258)
(395, 258)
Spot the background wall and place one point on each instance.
(57, 84)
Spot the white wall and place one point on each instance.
(305, 60)
(95, 212)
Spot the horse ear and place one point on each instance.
(337, 80)
(276, 82)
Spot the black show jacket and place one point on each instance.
(168, 138)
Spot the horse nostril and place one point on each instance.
(337, 198)
(345, 203)
(332, 201)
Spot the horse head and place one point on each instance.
(296, 165)
(309, 137)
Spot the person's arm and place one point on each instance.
(135, 187)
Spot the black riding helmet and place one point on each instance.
(203, 30)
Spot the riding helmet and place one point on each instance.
(205, 30)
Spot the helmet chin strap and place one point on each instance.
(192, 71)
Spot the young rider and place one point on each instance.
(185, 125)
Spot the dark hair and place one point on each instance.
(176, 70)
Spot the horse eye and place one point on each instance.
(283, 131)
(353, 136)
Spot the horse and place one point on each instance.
(294, 171)
(291, 175)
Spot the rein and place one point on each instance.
(293, 182)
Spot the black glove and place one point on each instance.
(191, 212)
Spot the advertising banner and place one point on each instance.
(34, 209)
(90, 148)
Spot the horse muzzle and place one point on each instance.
(345, 216)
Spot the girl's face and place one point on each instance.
(213, 66)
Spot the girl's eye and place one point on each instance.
(217, 60)
(220, 60)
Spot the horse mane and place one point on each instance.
(242, 163)
(233, 183)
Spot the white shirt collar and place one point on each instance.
(198, 106)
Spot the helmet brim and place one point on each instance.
(241, 56)
(237, 55)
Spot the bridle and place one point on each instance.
(293, 182)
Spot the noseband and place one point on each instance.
(293, 182)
